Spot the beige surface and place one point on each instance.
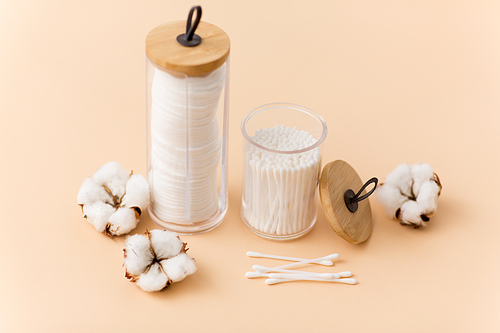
(396, 81)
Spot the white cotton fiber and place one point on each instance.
(91, 192)
(98, 214)
(123, 221)
(411, 212)
(165, 243)
(390, 198)
(428, 195)
(178, 267)
(401, 178)
(114, 177)
(153, 280)
(137, 192)
(420, 172)
(138, 254)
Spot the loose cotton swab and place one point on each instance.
(252, 275)
(264, 269)
(302, 260)
(327, 276)
(347, 281)
(310, 261)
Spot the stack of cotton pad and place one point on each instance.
(279, 187)
(184, 190)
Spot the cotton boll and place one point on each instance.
(153, 280)
(91, 192)
(411, 212)
(98, 214)
(147, 265)
(137, 192)
(428, 196)
(120, 196)
(390, 198)
(401, 178)
(178, 267)
(114, 177)
(165, 243)
(421, 172)
(416, 206)
(138, 254)
(122, 221)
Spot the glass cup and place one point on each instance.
(187, 146)
(282, 164)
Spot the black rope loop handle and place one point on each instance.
(351, 199)
(190, 38)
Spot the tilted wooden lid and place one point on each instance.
(336, 178)
(163, 49)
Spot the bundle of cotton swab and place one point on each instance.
(286, 275)
(279, 190)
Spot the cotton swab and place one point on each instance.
(272, 256)
(275, 281)
(264, 269)
(252, 275)
(310, 261)
(328, 276)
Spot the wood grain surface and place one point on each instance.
(336, 178)
(163, 49)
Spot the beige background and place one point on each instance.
(396, 81)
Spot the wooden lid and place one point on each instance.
(338, 177)
(163, 49)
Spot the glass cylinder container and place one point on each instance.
(187, 127)
(282, 149)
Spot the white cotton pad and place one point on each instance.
(170, 180)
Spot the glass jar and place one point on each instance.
(282, 164)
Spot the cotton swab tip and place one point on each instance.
(348, 281)
(251, 275)
(345, 274)
(253, 254)
(332, 256)
(274, 281)
(260, 268)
